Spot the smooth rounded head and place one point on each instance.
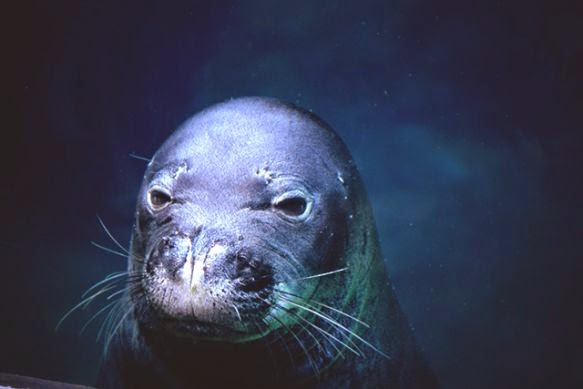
(242, 206)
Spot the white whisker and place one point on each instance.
(111, 236)
(135, 156)
(107, 249)
(335, 323)
(322, 274)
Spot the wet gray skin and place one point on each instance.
(254, 252)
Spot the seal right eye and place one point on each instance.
(158, 199)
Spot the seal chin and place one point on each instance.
(207, 313)
(190, 328)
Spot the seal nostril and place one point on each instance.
(257, 283)
(253, 274)
(165, 244)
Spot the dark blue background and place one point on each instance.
(464, 119)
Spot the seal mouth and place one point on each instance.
(199, 330)
(239, 324)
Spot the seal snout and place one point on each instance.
(210, 261)
(214, 277)
(172, 253)
(245, 270)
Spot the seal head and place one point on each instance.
(254, 250)
(236, 206)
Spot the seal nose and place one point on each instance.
(172, 252)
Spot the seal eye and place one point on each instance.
(158, 199)
(294, 205)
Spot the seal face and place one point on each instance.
(230, 215)
(253, 235)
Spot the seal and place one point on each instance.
(254, 260)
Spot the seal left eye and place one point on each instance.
(158, 199)
(294, 205)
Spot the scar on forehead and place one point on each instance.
(265, 173)
(179, 169)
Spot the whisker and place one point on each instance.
(327, 334)
(343, 314)
(338, 325)
(279, 336)
(115, 329)
(300, 343)
(106, 322)
(306, 329)
(237, 312)
(324, 316)
(82, 304)
(105, 280)
(117, 293)
(296, 315)
(111, 318)
(322, 274)
(307, 302)
(139, 157)
(111, 236)
(96, 315)
(108, 250)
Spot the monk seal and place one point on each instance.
(254, 261)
